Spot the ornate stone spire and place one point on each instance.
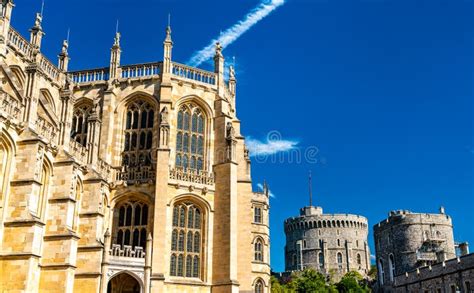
(36, 32)
(167, 50)
(116, 52)
(63, 57)
(266, 190)
(232, 80)
(219, 69)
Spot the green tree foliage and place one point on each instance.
(310, 281)
(353, 282)
(373, 272)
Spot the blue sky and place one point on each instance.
(383, 90)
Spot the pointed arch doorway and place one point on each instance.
(124, 283)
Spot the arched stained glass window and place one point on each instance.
(186, 242)
(190, 138)
(258, 250)
(138, 135)
(259, 286)
(79, 123)
(132, 224)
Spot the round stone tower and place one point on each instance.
(332, 244)
(406, 241)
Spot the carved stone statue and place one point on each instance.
(230, 131)
(164, 115)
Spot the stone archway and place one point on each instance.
(123, 283)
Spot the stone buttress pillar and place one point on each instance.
(348, 255)
(58, 261)
(67, 108)
(93, 136)
(24, 224)
(225, 246)
(92, 248)
(105, 261)
(32, 94)
(326, 256)
(147, 281)
(109, 124)
(160, 251)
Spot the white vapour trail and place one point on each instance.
(233, 33)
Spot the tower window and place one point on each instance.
(258, 249)
(321, 260)
(391, 264)
(259, 286)
(257, 217)
(339, 260)
(381, 272)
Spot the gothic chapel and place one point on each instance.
(130, 178)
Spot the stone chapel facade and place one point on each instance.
(130, 178)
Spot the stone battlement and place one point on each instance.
(315, 218)
(405, 217)
(443, 268)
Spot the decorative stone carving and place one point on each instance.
(72, 190)
(164, 116)
(230, 131)
(231, 142)
(39, 162)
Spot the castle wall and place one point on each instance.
(456, 273)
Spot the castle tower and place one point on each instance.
(332, 244)
(407, 240)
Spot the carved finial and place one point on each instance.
(168, 35)
(38, 20)
(442, 210)
(107, 233)
(218, 49)
(231, 72)
(266, 190)
(117, 40)
(65, 47)
(149, 238)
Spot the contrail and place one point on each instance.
(234, 32)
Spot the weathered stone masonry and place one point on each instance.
(130, 178)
